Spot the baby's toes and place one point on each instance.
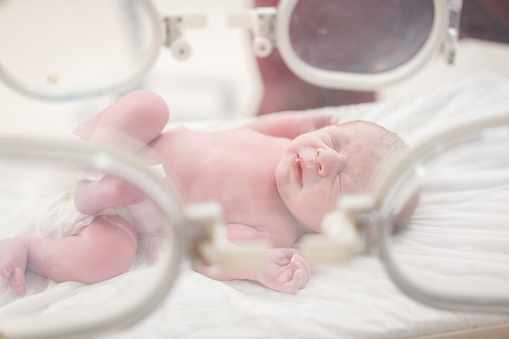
(5, 271)
(17, 281)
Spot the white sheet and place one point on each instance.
(356, 300)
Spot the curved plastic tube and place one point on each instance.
(388, 181)
(121, 312)
(155, 45)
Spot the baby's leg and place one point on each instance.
(100, 251)
(92, 197)
(132, 122)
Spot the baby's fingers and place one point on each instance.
(293, 281)
(6, 271)
(305, 271)
(297, 276)
(302, 277)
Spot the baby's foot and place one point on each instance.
(94, 196)
(13, 261)
(287, 271)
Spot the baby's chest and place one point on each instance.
(247, 193)
(236, 169)
(231, 181)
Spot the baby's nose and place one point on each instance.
(327, 161)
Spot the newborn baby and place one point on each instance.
(274, 178)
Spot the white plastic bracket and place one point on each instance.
(262, 23)
(340, 238)
(209, 245)
(453, 30)
(174, 27)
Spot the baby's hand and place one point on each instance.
(287, 271)
(13, 261)
(309, 122)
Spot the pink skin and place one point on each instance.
(318, 167)
(101, 250)
(252, 171)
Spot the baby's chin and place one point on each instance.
(311, 222)
(313, 228)
(308, 223)
(281, 174)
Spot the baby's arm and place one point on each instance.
(291, 125)
(286, 271)
(101, 250)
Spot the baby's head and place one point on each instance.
(320, 166)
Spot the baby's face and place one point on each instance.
(320, 166)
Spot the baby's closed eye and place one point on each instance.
(333, 141)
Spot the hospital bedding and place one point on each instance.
(354, 300)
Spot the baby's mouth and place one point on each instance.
(296, 164)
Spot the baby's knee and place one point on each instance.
(114, 247)
(150, 106)
(120, 234)
(94, 196)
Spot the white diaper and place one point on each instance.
(57, 217)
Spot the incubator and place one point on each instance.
(125, 59)
(437, 215)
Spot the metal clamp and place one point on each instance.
(262, 23)
(209, 245)
(174, 26)
(453, 30)
(341, 237)
(345, 233)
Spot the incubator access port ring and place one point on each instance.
(318, 58)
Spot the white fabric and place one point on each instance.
(356, 300)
